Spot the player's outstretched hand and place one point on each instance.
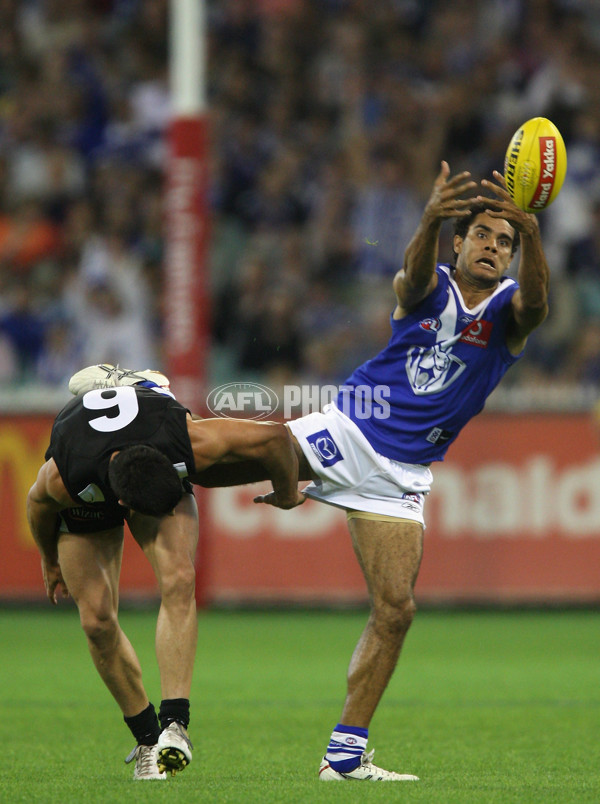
(504, 207)
(53, 578)
(271, 499)
(444, 201)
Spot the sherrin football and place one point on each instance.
(535, 164)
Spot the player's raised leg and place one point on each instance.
(91, 565)
(389, 553)
(170, 545)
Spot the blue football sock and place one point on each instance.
(345, 747)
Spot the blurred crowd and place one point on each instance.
(328, 121)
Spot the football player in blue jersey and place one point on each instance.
(455, 330)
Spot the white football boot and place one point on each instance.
(108, 376)
(146, 763)
(174, 749)
(366, 772)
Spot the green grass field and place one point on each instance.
(484, 707)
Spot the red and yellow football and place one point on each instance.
(535, 164)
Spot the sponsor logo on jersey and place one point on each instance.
(430, 324)
(85, 513)
(477, 334)
(325, 448)
(439, 436)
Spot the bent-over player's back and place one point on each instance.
(92, 426)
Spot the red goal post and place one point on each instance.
(186, 301)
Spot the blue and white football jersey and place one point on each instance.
(440, 365)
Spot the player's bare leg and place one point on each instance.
(170, 545)
(171, 550)
(91, 565)
(389, 554)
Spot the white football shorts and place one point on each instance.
(352, 475)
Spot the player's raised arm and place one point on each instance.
(45, 499)
(417, 279)
(530, 302)
(268, 443)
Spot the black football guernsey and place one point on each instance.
(94, 425)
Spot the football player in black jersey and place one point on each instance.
(128, 453)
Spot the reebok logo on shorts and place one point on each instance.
(325, 448)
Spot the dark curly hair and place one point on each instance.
(463, 224)
(145, 480)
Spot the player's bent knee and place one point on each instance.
(395, 616)
(179, 585)
(100, 628)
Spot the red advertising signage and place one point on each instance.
(514, 516)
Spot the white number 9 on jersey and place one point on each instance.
(121, 401)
